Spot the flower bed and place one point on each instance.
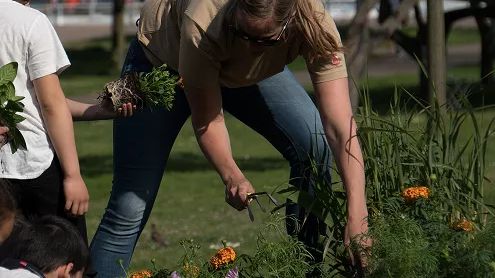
(427, 213)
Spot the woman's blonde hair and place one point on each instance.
(308, 20)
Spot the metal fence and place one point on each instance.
(98, 12)
(87, 12)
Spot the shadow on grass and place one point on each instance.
(96, 165)
(93, 58)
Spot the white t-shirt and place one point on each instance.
(16, 273)
(28, 38)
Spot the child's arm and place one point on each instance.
(58, 123)
(90, 112)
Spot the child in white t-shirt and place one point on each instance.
(46, 176)
(16, 273)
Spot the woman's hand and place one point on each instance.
(213, 138)
(236, 193)
(76, 195)
(356, 230)
(341, 132)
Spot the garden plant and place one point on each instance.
(151, 89)
(11, 106)
(425, 170)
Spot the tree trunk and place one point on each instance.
(357, 48)
(486, 25)
(487, 31)
(436, 52)
(118, 35)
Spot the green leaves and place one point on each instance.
(158, 87)
(10, 105)
(143, 89)
(8, 73)
(443, 149)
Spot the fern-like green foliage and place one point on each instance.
(158, 87)
(10, 105)
(400, 249)
(418, 240)
(276, 255)
(405, 148)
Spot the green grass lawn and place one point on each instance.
(190, 203)
(457, 36)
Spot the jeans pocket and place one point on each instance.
(135, 60)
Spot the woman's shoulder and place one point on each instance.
(206, 12)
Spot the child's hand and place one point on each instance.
(127, 110)
(76, 195)
(3, 135)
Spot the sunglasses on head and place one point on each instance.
(261, 41)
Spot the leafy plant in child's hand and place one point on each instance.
(10, 105)
(152, 89)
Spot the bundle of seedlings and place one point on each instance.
(151, 89)
(10, 106)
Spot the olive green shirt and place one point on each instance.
(192, 37)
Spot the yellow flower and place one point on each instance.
(411, 194)
(191, 269)
(141, 274)
(463, 225)
(222, 257)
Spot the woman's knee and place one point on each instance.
(124, 214)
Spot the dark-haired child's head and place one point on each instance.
(7, 210)
(54, 246)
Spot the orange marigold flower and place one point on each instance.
(222, 257)
(141, 274)
(463, 225)
(411, 194)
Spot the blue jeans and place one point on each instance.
(283, 113)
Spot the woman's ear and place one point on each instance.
(64, 270)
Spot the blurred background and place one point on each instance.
(381, 37)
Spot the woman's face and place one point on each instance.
(6, 227)
(257, 31)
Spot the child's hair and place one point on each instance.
(50, 242)
(7, 201)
